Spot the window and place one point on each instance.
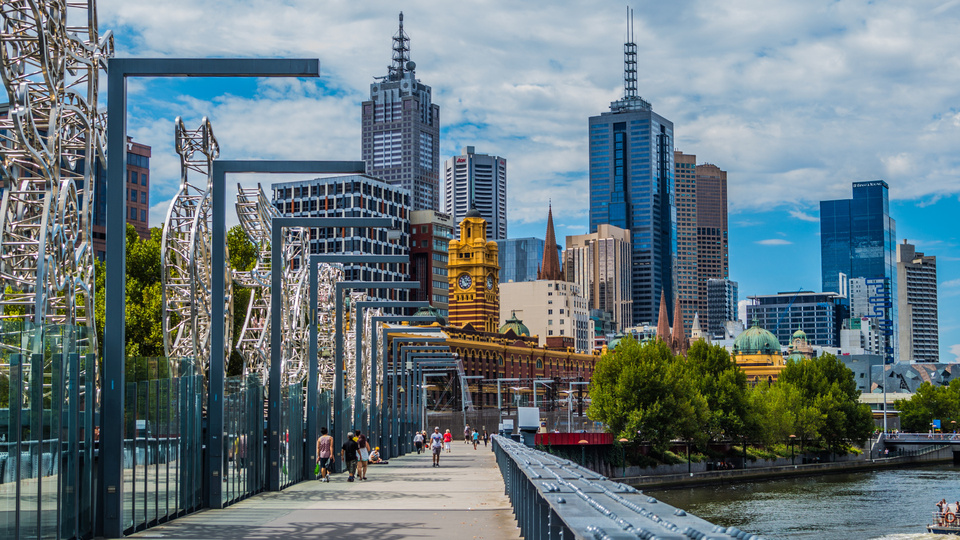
(133, 213)
(143, 216)
(133, 177)
(143, 197)
(133, 195)
(550, 311)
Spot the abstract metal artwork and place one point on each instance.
(51, 56)
(186, 248)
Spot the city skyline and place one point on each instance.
(796, 102)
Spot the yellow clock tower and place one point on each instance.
(474, 275)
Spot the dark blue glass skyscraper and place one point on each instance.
(631, 187)
(858, 239)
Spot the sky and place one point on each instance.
(795, 100)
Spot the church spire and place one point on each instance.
(679, 335)
(663, 321)
(550, 268)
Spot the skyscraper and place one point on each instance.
(473, 180)
(430, 234)
(722, 301)
(702, 239)
(631, 187)
(857, 239)
(917, 299)
(401, 129)
(600, 264)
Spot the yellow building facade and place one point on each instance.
(474, 277)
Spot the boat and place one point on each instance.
(945, 522)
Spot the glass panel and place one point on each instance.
(30, 450)
(129, 455)
(50, 416)
(89, 435)
(11, 398)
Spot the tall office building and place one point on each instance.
(353, 195)
(631, 187)
(430, 234)
(857, 239)
(600, 264)
(401, 129)
(520, 259)
(702, 234)
(473, 180)
(917, 305)
(722, 303)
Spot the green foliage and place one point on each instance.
(643, 392)
(144, 327)
(930, 403)
(243, 254)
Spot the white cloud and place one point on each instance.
(795, 100)
(950, 284)
(803, 216)
(773, 242)
(955, 351)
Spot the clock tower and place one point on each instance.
(474, 276)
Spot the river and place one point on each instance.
(893, 504)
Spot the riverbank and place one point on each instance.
(761, 472)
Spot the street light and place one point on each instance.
(793, 460)
(623, 457)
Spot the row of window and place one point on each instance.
(136, 178)
(142, 214)
(133, 196)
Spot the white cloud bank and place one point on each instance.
(794, 99)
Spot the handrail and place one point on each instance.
(555, 498)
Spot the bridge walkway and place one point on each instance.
(406, 499)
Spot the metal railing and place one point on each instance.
(555, 498)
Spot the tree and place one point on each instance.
(724, 386)
(829, 408)
(144, 296)
(644, 393)
(243, 257)
(929, 403)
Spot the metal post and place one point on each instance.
(403, 428)
(118, 70)
(393, 420)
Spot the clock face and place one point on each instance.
(489, 282)
(464, 281)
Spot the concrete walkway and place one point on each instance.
(407, 499)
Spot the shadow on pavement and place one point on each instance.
(294, 531)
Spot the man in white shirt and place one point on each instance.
(436, 444)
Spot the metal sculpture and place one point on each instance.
(256, 214)
(186, 252)
(51, 56)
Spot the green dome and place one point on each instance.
(515, 324)
(799, 334)
(430, 311)
(756, 340)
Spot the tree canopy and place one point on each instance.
(929, 403)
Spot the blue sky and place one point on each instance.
(795, 100)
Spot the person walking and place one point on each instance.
(325, 454)
(476, 438)
(485, 437)
(364, 445)
(447, 439)
(466, 434)
(436, 444)
(418, 442)
(348, 453)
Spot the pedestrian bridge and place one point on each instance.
(923, 439)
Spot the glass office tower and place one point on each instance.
(858, 240)
(631, 187)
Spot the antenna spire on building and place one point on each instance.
(401, 54)
(630, 61)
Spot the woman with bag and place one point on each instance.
(364, 455)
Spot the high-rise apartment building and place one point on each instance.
(857, 239)
(722, 303)
(520, 259)
(600, 264)
(631, 187)
(353, 195)
(430, 234)
(473, 180)
(917, 305)
(702, 233)
(401, 129)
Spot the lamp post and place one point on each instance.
(623, 456)
(793, 460)
(583, 451)
(535, 383)
(500, 400)
(570, 402)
